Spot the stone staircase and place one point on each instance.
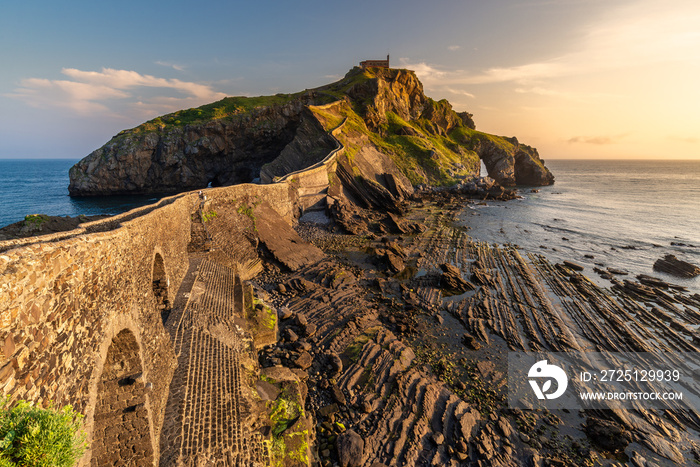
(313, 198)
(207, 420)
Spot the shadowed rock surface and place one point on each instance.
(158, 157)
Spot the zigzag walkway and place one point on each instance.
(204, 418)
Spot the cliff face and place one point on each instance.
(384, 91)
(167, 157)
(238, 139)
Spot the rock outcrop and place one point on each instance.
(511, 163)
(396, 91)
(676, 267)
(239, 139)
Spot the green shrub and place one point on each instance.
(35, 437)
(208, 216)
(35, 220)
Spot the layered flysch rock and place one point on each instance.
(676, 267)
(239, 139)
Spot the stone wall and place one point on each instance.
(81, 312)
(64, 302)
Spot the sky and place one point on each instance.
(574, 78)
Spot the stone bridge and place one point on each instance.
(135, 320)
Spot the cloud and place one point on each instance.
(454, 48)
(424, 71)
(542, 91)
(597, 140)
(124, 79)
(522, 74)
(174, 66)
(93, 92)
(637, 34)
(433, 76)
(460, 92)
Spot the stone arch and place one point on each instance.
(122, 423)
(160, 282)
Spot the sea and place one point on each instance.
(40, 186)
(624, 213)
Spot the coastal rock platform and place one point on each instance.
(448, 406)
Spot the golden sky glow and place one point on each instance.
(629, 87)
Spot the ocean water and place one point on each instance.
(625, 213)
(40, 186)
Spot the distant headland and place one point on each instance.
(241, 139)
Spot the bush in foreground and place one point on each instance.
(35, 437)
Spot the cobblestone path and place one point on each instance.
(206, 411)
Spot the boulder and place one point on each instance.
(607, 434)
(304, 360)
(282, 241)
(573, 266)
(676, 267)
(266, 390)
(309, 330)
(471, 342)
(451, 279)
(351, 448)
(336, 363)
(284, 313)
(338, 395)
(348, 216)
(468, 424)
(291, 336)
(393, 262)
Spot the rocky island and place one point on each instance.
(239, 139)
(334, 312)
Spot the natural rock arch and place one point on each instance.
(160, 287)
(122, 431)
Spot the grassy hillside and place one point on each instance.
(225, 108)
(421, 154)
